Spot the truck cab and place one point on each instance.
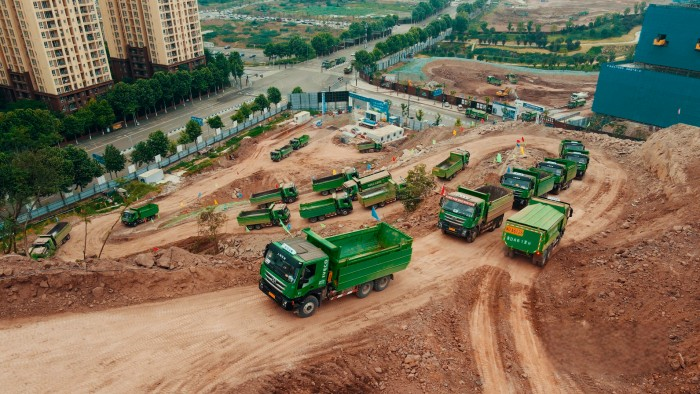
(291, 270)
(43, 246)
(581, 158)
(459, 212)
(289, 192)
(522, 185)
(569, 146)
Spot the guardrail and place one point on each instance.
(92, 191)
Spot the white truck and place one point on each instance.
(579, 96)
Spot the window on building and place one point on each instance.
(660, 40)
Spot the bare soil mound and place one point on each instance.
(622, 309)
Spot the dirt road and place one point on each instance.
(230, 337)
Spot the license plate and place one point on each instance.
(451, 228)
(271, 295)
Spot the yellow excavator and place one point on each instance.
(503, 93)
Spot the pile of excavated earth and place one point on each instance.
(614, 310)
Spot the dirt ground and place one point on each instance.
(614, 310)
(552, 90)
(555, 12)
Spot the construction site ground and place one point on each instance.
(165, 310)
(552, 89)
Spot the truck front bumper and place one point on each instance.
(453, 229)
(278, 297)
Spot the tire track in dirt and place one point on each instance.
(483, 322)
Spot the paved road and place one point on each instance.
(309, 75)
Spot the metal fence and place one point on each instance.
(187, 151)
(402, 55)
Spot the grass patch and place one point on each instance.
(198, 167)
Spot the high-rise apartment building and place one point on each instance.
(146, 36)
(53, 51)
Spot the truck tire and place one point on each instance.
(344, 212)
(499, 222)
(509, 252)
(258, 227)
(325, 193)
(364, 289)
(321, 218)
(313, 219)
(381, 283)
(471, 236)
(382, 204)
(307, 307)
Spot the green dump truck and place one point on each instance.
(339, 204)
(299, 142)
(576, 103)
(46, 245)
(526, 184)
(528, 116)
(300, 273)
(281, 153)
(373, 179)
(457, 161)
(369, 146)
(537, 229)
(331, 183)
(581, 158)
(570, 146)
(258, 218)
(135, 216)
(476, 114)
(512, 78)
(287, 192)
(467, 213)
(564, 172)
(493, 80)
(381, 195)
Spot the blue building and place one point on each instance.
(661, 87)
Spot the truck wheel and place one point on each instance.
(321, 218)
(325, 193)
(543, 260)
(312, 219)
(471, 236)
(364, 290)
(307, 307)
(382, 204)
(497, 223)
(344, 212)
(381, 283)
(509, 252)
(258, 227)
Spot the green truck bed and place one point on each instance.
(537, 228)
(326, 206)
(364, 255)
(332, 182)
(378, 195)
(372, 180)
(457, 161)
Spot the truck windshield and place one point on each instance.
(127, 215)
(577, 158)
(282, 265)
(551, 168)
(516, 182)
(457, 208)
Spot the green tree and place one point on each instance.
(438, 119)
(144, 95)
(209, 223)
(85, 168)
(163, 80)
(141, 154)
(122, 97)
(419, 115)
(34, 175)
(114, 160)
(215, 122)
(191, 132)
(419, 185)
(158, 144)
(73, 126)
(297, 89)
(28, 129)
(274, 95)
(261, 102)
